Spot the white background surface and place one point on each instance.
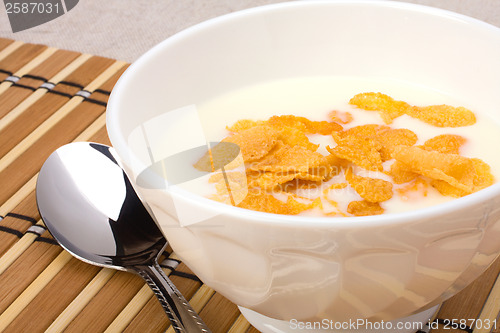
(125, 29)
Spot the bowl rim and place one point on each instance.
(119, 142)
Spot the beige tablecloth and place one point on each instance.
(125, 29)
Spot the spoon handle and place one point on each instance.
(182, 316)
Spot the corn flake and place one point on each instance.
(387, 137)
(341, 117)
(305, 125)
(370, 189)
(445, 143)
(244, 124)
(290, 159)
(364, 208)
(401, 173)
(294, 137)
(482, 178)
(436, 115)
(391, 138)
(443, 115)
(254, 142)
(269, 180)
(456, 170)
(266, 202)
(298, 184)
(389, 108)
(361, 151)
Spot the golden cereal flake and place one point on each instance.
(305, 125)
(386, 136)
(265, 202)
(270, 180)
(254, 142)
(287, 120)
(361, 151)
(448, 190)
(224, 155)
(262, 201)
(290, 159)
(391, 138)
(294, 137)
(364, 208)
(401, 173)
(456, 170)
(244, 124)
(482, 179)
(297, 207)
(388, 108)
(436, 115)
(234, 191)
(445, 143)
(443, 115)
(370, 189)
(367, 131)
(341, 117)
(482, 176)
(298, 184)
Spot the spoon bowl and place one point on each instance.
(89, 206)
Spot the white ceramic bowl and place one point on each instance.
(290, 267)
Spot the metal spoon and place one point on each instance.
(89, 206)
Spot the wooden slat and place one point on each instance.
(29, 120)
(19, 196)
(12, 98)
(26, 207)
(24, 271)
(47, 69)
(105, 306)
(36, 61)
(252, 330)
(30, 293)
(8, 114)
(240, 325)
(53, 65)
(8, 50)
(24, 166)
(29, 186)
(20, 57)
(13, 224)
(4, 42)
(86, 73)
(211, 313)
(23, 161)
(17, 248)
(79, 302)
(100, 136)
(74, 276)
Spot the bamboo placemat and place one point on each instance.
(50, 97)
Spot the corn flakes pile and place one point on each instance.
(278, 160)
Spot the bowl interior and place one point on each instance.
(443, 51)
